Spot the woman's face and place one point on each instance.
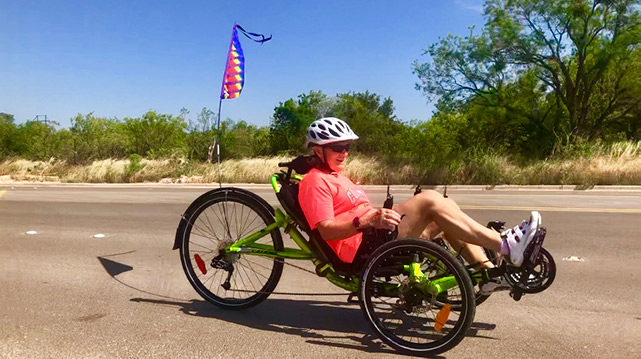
(334, 154)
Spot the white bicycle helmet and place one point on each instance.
(329, 130)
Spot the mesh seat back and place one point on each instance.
(288, 197)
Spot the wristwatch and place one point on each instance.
(357, 224)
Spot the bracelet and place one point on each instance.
(357, 224)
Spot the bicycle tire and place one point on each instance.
(252, 280)
(417, 339)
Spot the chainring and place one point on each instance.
(534, 277)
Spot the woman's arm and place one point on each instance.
(382, 218)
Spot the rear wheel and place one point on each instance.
(406, 317)
(214, 221)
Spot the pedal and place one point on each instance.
(532, 252)
(516, 294)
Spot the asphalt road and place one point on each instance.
(68, 294)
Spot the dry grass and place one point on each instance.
(619, 164)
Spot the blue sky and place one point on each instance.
(121, 58)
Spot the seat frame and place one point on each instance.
(288, 198)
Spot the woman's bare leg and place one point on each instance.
(430, 206)
(431, 231)
(472, 253)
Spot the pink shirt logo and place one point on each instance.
(354, 195)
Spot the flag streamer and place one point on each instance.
(254, 36)
(233, 81)
(234, 77)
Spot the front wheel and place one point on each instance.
(212, 222)
(409, 315)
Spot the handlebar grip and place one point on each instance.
(389, 202)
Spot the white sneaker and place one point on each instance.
(520, 236)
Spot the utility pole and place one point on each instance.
(44, 119)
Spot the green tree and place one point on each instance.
(579, 51)
(200, 134)
(241, 140)
(97, 138)
(291, 119)
(372, 120)
(156, 135)
(7, 133)
(36, 140)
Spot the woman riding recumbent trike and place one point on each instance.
(418, 295)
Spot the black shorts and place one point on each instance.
(372, 239)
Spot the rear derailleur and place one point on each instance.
(221, 262)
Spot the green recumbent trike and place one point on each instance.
(418, 295)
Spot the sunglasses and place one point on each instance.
(338, 148)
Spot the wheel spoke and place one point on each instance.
(256, 274)
(209, 226)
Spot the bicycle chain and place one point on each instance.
(289, 293)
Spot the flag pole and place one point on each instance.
(216, 142)
(220, 179)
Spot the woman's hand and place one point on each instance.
(381, 218)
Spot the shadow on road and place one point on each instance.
(305, 318)
(114, 268)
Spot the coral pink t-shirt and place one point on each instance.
(332, 196)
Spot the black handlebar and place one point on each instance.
(389, 200)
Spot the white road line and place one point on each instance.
(540, 209)
(555, 209)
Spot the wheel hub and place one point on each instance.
(410, 299)
(227, 257)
